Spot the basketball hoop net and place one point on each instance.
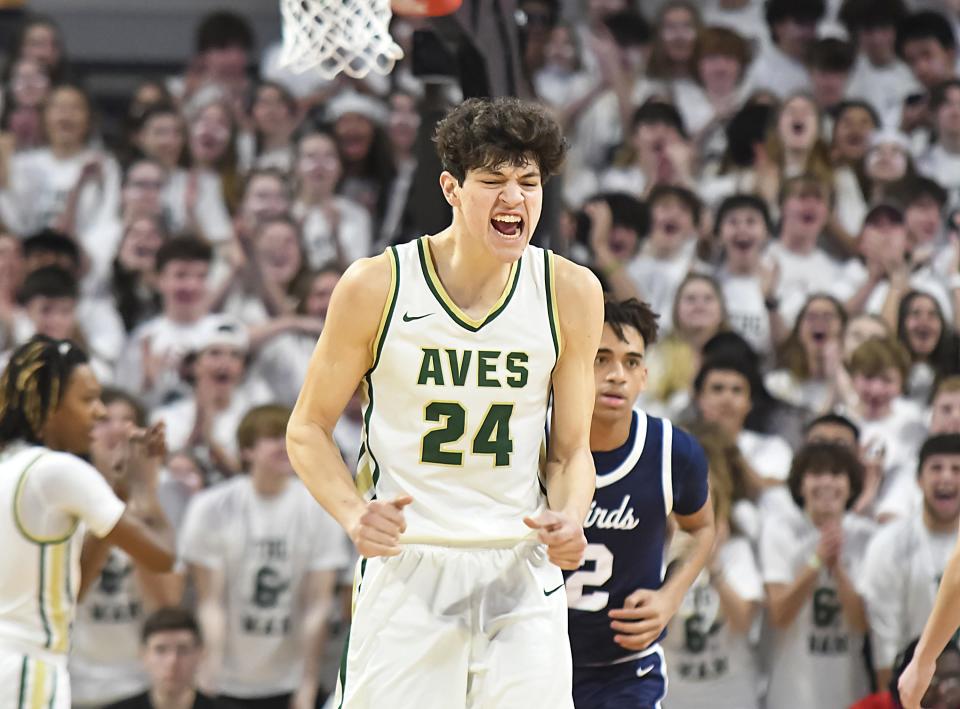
(334, 36)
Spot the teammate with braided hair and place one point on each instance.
(49, 405)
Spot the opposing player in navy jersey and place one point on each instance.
(621, 598)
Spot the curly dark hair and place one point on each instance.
(485, 133)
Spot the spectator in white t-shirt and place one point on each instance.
(853, 123)
(926, 42)
(941, 162)
(274, 115)
(931, 341)
(805, 268)
(281, 361)
(191, 198)
(811, 563)
(708, 645)
(657, 151)
(879, 77)
(907, 558)
(888, 422)
(945, 406)
(884, 275)
(811, 372)
(67, 183)
(104, 666)
(266, 195)
(265, 560)
(673, 55)
(140, 197)
(830, 63)
(698, 313)
(212, 174)
(722, 60)
(840, 430)
(923, 203)
(23, 99)
(668, 252)
(132, 284)
(206, 420)
(266, 276)
(335, 228)
(748, 279)
(149, 364)
(780, 66)
(96, 316)
(723, 397)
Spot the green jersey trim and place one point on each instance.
(553, 314)
(388, 308)
(446, 302)
(363, 485)
(16, 512)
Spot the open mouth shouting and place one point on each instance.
(945, 499)
(509, 226)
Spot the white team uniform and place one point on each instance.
(105, 662)
(265, 547)
(710, 664)
(470, 614)
(44, 498)
(902, 572)
(818, 660)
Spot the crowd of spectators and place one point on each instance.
(779, 179)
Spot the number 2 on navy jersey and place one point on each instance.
(492, 438)
(602, 570)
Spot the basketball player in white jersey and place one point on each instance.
(49, 404)
(458, 339)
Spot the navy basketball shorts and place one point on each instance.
(637, 684)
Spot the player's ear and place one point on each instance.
(450, 185)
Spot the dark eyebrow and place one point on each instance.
(635, 354)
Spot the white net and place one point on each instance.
(333, 36)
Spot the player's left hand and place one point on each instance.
(644, 615)
(914, 682)
(563, 536)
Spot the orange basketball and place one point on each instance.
(425, 8)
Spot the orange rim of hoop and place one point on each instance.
(424, 8)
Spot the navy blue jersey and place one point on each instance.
(637, 489)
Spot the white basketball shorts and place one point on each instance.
(28, 682)
(454, 628)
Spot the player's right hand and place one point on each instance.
(377, 531)
(914, 682)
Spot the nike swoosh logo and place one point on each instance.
(644, 671)
(408, 318)
(548, 593)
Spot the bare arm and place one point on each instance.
(570, 475)
(685, 568)
(210, 584)
(343, 354)
(645, 612)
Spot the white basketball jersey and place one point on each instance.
(455, 408)
(39, 577)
